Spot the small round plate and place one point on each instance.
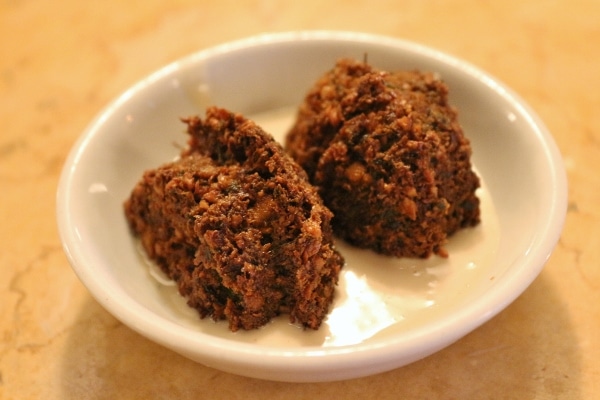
(388, 312)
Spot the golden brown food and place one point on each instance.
(237, 225)
(389, 157)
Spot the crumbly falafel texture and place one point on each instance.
(237, 225)
(389, 157)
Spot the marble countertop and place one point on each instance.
(61, 62)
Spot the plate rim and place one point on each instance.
(313, 358)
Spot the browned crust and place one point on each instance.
(237, 225)
(389, 157)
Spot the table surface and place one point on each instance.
(61, 62)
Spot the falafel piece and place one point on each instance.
(236, 224)
(389, 157)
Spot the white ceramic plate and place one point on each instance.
(387, 312)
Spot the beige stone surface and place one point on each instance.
(62, 61)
